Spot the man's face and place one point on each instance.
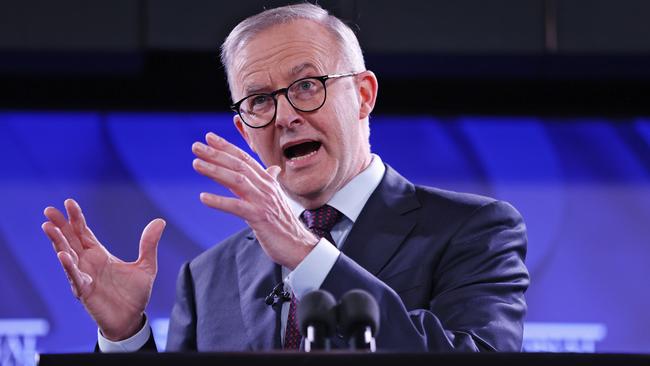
(318, 151)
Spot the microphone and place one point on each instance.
(277, 295)
(359, 319)
(317, 319)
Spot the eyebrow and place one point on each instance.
(295, 71)
(254, 89)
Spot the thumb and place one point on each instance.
(149, 244)
(274, 171)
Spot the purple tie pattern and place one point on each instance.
(320, 222)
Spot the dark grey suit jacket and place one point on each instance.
(447, 270)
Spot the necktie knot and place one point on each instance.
(321, 220)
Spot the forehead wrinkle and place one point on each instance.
(264, 86)
(313, 54)
(294, 72)
(279, 56)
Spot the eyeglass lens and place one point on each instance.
(305, 95)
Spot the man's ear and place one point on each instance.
(242, 131)
(368, 88)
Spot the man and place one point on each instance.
(446, 268)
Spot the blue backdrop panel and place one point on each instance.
(583, 186)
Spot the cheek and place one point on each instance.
(347, 126)
(336, 128)
(341, 125)
(263, 145)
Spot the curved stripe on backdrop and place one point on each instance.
(582, 184)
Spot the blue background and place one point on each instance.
(582, 185)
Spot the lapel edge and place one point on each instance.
(384, 222)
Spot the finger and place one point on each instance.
(79, 281)
(225, 160)
(231, 205)
(59, 243)
(222, 144)
(236, 182)
(151, 234)
(57, 218)
(274, 171)
(78, 223)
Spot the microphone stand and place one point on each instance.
(316, 338)
(363, 340)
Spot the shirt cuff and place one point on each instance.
(128, 345)
(311, 272)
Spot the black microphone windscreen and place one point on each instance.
(358, 309)
(317, 308)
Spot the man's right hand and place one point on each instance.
(115, 293)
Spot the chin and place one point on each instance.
(304, 189)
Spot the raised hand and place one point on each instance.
(259, 200)
(115, 293)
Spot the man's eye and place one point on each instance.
(306, 85)
(260, 99)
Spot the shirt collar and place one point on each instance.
(350, 199)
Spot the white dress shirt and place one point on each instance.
(311, 272)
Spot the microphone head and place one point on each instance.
(358, 309)
(268, 300)
(317, 308)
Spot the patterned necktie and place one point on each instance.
(320, 222)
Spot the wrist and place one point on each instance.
(303, 249)
(299, 256)
(123, 333)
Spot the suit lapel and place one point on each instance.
(378, 232)
(257, 275)
(383, 223)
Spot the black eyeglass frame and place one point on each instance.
(274, 95)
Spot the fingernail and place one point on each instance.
(203, 197)
(213, 136)
(198, 146)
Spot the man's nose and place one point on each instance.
(285, 114)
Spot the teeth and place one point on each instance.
(304, 156)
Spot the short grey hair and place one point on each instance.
(250, 27)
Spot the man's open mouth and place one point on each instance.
(302, 150)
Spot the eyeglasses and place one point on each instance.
(305, 95)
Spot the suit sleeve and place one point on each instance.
(477, 297)
(182, 323)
